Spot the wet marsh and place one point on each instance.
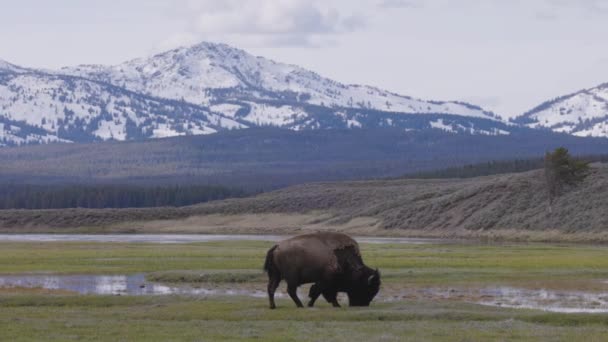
(215, 290)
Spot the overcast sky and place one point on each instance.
(504, 55)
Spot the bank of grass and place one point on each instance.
(65, 318)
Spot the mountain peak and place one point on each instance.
(193, 72)
(214, 46)
(210, 87)
(583, 113)
(210, 49)
(4, 65)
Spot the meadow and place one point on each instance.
(399, 313)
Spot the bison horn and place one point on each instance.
(371, 279)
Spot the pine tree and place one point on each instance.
(562, 170)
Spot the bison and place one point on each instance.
(331, 261)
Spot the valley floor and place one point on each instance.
(405, 309)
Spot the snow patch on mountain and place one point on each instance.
(111, 130)
(77, 109)
(15, 135)
(584, 113)
(227, 109)
(8, 67)
(600, 129)
(442, 126)
(454, 127)
(269, 115)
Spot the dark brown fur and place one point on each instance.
(332, 261)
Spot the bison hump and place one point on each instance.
(338, 241)
(332, 250)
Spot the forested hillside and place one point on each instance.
(494, 167)
(266, 158)
(109, 196)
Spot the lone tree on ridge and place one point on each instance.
(562, 170)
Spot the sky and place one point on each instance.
(504, 55)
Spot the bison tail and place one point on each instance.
(269, 266)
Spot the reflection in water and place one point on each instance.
(83, 284)
(136, 285)
(133, 285)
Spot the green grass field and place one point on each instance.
(35, 314)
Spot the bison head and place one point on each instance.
(364, 288)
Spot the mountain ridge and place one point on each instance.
(248, 71)
(208, 88)
(76, 105)
(582, 113)
(231, 89)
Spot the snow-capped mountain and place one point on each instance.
(584, 113)
(8, 67)
(39, 108)
(204, 89)
(208, 73)
(20, 133)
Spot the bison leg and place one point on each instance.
(331, 296)
(314, 293)
(273, 283)
(292, 290)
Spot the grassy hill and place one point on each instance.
(509, 201)
(503, 206)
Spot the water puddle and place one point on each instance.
(552, 301)
(185, 238)
(137, 285)
(510, 297)
(132, 285)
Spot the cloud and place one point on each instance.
(546, 15)
(602, 62)
(267, 22)
(176, 40)
(393, 4)
(559, 10)
(593, 7)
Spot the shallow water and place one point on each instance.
(137, 285)
(131, 285)
(511, 297)
(552, 301)
(183, 238)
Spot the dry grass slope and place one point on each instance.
(436, 207)
(511, 201)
